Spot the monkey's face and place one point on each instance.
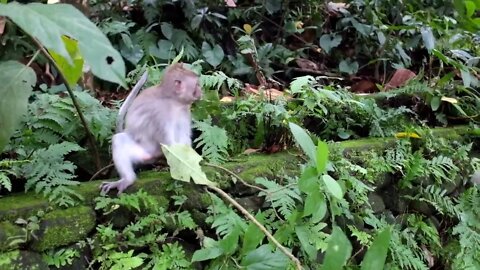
(188, 90)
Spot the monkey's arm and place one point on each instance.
(128, 101)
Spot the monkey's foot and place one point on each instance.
(120, 185)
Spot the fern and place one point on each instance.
(49, 173)
(468, 230)
(223, 219)
(406, 256)
(213, 140)
(217, 80)
(442, 167)
(281, 197)
(437, 197)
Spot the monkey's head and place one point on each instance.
(183, 82)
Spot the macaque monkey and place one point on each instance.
(159, 115)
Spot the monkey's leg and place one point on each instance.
(126, 152)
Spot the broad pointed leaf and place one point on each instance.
(304, 140)
(377, 253)
(184, 164)
(338, 251)
(48, 23)
(263, 258)
(17, 82)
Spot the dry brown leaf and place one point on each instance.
(400, 78)
(227, 99)
(306, 64)
(335, 8)
(364, 86)
(251, 151)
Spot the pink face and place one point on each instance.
(188, 90)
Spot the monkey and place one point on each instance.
(160, 114)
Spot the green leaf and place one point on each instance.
(206, 254)
(428, 38)
(273, 6)
(330, 41)
(296, 86)
(184, 164)
(469, 8)
(322, 156)
(338, 250)
(164, 49)
(315, 205)
(230, 243)
(253, 235)
(303, 235)
(263, 259)
(48, 23)
(332, 186)
(304, 140)
(348, 66)
(73, 72)
(435, 103)
(308, 180)
(214, 56)
(377, 253)
(17, 82)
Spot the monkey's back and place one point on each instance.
(150, 119)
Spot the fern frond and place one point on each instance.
(213, 140)
(281, 197)
(49, 173)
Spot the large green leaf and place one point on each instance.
(303, 139)
(263, 259)
(184, 164)
(338, 251)
(17, 82)
(48, 23)
(377, 253)
(253, 235)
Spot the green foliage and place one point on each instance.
(48, 172)
(467, 230)
(213, 141)
(62, 257)
(93, 44)
(117, 247)
(15, 93)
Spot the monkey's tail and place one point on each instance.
(128, 101)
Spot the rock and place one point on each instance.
(22, 260)
(376, 202)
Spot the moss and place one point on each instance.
(22, 260)
(21, 205)
(62, 227)
(8, 231)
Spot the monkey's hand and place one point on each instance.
(120, 185)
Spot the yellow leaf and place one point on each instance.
(407, 135)
(71, 70)
(248, 28)
(450, 100)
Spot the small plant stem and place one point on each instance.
(91, 138)
(244, 211)
(236, 176)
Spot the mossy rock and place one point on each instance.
(63, 227)
(22, 260)
(8, 231)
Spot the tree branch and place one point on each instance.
(90, 137)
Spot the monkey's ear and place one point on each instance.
(178, 86)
